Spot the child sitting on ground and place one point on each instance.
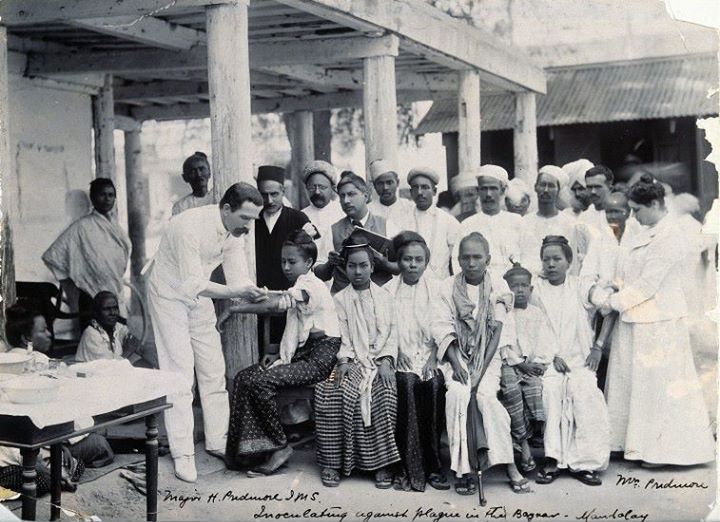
(106, 338)
(521, 374)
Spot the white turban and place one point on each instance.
(462, 181)
(493, 171)
(380, 167)
(556, 172)
(576, 170)
(516, 190)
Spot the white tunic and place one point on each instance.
(440, 231)
(535, 228)
(323, 219)
(191, 201)
(396, 213)
(503, 234)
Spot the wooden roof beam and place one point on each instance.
(320, 51)
(14, 12)
(146, 30)
(427, 31)
(189, 111)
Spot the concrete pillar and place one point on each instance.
(468, 120)
(138, 205)
(104, 126)
(379, 110)
(525, 138)
(322, 135)
(9, 192)
(229, 86)
(302, 151)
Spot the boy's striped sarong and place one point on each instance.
(343, 441)
(521, 395)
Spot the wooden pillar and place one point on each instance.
(302, 146)
(229, 87)
(322, 135)
(104, 126)
(9, 191)
(468, 120)
(379, 110)
(138, 205)
(525, 138)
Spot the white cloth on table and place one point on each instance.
(577, 432)
(95, 343)
(441, 233)
(194, 243)
(323, 219)
(191, 201)
(368, 333)
(318, 313)
(502, 232)
(413, 315)
(396, 213)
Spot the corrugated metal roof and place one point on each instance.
(666, 88)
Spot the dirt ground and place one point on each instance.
(628, 492)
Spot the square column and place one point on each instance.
(525, 138)
(302, 150)
(103, 127)
(230, 128)
(138, 205)
(380, 109)
(468, 120)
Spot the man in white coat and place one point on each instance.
(324, 210)
(179, 300)
(388, 205)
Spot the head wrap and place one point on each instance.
(493, 171)
(426, 172)
(516, 190)
(320, 167)
(271, 173)
(380, 167)
(463, 180)
(555, 172)
(576, 170)
(517, 269)
(196, 156)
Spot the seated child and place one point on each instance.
(308, 350)
(106, 338)
(356, 408)
(521, 376)
(577, 430)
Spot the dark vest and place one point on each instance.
(340, 232)
(268, 247)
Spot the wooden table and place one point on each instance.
(19, 432)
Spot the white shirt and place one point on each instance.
(440, 231)
(271, 220)
(502, 232)
(191, 201)
(323, 219)
(396, 213)
(195, 242)
(535, 228)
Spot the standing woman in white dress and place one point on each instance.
(657, 412)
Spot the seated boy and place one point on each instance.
(106, 338)
(468, 322)
(577, 429)
(521, 375)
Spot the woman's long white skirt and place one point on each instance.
(657, 411)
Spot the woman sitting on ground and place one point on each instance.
(356, 408)
(308, 351)
(420, 385)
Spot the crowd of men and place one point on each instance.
(505, 316)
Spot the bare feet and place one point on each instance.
(273, 463)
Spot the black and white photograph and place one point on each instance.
(359, 260)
